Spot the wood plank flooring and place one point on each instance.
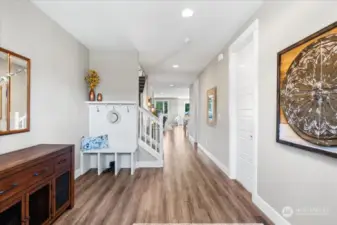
(190, 189)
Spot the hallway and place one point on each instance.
(190, 189)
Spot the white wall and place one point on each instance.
(59, 63)
(287, 176)
(119, 74)
(194, 110)
(214, 138)
(144, 95)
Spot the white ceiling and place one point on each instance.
(156, 29)
(171, 92)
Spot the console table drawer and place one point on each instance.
(17, 182)
(62, 162)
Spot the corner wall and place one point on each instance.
(194, 110)
(58, 65)
(119, 74)
(287, 176)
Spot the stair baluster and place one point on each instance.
(150, 137)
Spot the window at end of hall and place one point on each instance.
(187, 108)
(162, 106)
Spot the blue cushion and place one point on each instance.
(99, 142)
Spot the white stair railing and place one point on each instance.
(150, 134)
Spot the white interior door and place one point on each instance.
(245, 115)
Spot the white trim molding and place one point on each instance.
(149, 164)
(219, 164)
(269, 211)
(191, 139)
(77, 173)
(250, 34)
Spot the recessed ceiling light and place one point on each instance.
(187, 40)
(171, 85)
(175, 66)
(187, 13)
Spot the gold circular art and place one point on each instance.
(309, 92)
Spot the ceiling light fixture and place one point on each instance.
(187, 13)
(171, 85)
(175, 66)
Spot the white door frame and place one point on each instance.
(251, 33)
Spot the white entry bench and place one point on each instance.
(122, 134)
(104, 156)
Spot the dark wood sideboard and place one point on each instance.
(36, 184)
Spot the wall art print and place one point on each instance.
(307, 93)
(211, 106)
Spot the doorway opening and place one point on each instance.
(243, 108)
(162, 106)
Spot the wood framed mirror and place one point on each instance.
(14, 93)
(211, 107)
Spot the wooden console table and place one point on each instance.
(36, 184)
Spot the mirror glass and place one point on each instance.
(18, 96)
(3, 90)
(14, 92)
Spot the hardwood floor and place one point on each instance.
(190, 189)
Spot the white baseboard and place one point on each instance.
(192, 140)
(149, 164)
(77, 173)
(221, 166)
(269, 211)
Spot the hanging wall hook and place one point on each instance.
(127, 108)
(97, 108)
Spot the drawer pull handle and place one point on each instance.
(62, 161)
(40, 173)
(9, 189)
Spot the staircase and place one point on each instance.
(150, 139)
